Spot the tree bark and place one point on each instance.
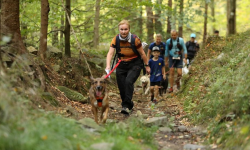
(150, 25)
(97, 23)
(231, 17)
(212, 14)
(180, 30)
(62, 33)
(44, 28)
(67, 29)
(10, 26)
(55, 36)
(205, 24)
(168, 21)
(140, 23)
(158, 24)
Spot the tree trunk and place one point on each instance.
(158, 24)
(169, 18)
(231, 17)
(97, 23)
(10, 26)
(212, 14)
(62, 33)
(205, 24)
(150, 25)
(44, 28)
(140, 22)
(1, 60)
(55, 36)
(67, 29)
(180, 30)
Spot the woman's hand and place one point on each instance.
(147, 69)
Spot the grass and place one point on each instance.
(217, 88)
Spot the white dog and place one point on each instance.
(145, 82)
(185, 70)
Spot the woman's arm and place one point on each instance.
(109, 57)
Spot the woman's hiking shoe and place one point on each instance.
(170, 90)
(125, 111)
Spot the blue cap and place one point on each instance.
(193, 35)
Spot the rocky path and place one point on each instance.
(175, 131)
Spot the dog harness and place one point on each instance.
(99, 101)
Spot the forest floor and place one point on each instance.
(173, 136)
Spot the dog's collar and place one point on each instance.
(99, 101)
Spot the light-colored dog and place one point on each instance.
(98, 94)
(145, 82)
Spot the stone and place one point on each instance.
(90, 123)
(158, 121)
(56, 68)
(165, 129)
(182, 128)
(102, 146)
(32, 50)
(193, 147)
(73, 95)
(53, 52)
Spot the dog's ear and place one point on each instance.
(103, 76)
(91, 78)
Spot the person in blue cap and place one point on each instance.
(192, 48)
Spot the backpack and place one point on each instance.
(117, 46)
(171, 44)
(133, 47)
(188, 44)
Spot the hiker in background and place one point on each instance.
(192, 48)
(158, 42)
(175, 54)
(216, 33)
(157, 68)
(211, 39)
(128, 48)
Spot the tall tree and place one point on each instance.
(140, 22)
(158, 24)
(67, 29)
(169, 19)
(97, 23)
(212, 14)
(62, 32)
(181, 19)
(10, 26)
(150, 25)
(231, 17)
(205, 23)
(44, 28)
(55, 36)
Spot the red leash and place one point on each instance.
(119, 61)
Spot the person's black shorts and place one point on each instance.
(155, 83)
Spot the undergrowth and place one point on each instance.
(216, 92)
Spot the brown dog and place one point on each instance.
(98, 94)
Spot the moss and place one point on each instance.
(72, 95)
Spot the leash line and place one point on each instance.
(117, 64)
(78, 43)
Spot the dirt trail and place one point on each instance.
(169, 105)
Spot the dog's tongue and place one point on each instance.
(98, 93)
